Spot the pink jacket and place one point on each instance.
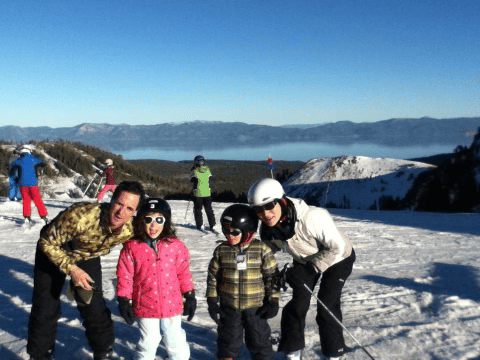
(154, 281)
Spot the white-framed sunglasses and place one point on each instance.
(160, 220)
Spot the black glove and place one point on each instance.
(214, 310)
(189, 305)
(269, 309)
(312, 268)
(279, 279)
(126, 310)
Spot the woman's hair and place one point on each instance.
(139, 227)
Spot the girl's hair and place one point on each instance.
(139, 227)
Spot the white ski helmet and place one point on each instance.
(264, 191)
(26, 149)
(109, 162)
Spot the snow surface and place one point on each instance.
(414, 292)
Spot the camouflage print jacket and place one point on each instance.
(242, 289)
(81, 232)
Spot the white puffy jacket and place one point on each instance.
(316, 237)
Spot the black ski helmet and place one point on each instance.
(199, 160)
(239, 216)
(155, 205)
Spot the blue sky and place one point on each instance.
(63, 63)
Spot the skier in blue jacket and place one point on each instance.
(25, 165)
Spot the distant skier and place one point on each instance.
(13, 186)
(201, 178)
(110, 183)
(26, 166)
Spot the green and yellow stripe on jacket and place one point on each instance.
(242, 289)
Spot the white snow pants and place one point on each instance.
(174, 338)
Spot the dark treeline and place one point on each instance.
(170, 180)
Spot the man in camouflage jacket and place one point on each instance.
(72, 245)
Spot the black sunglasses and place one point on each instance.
(265, 207)
(160, 220)
(233, 232)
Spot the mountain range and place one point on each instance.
(211, 135)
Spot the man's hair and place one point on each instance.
(132, 187)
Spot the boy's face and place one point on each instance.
(234, 236)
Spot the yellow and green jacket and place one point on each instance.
(81, 232)
(242, 289)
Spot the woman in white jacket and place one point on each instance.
(309, 234)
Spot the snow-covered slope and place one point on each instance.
(414, 293)
(353, 182)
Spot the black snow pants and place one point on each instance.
(205, 202)
(230, 334)
(295, 312)
(47, 288)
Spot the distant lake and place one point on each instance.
(289, 151)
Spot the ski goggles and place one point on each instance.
(232, 232)
(160, 220)
(265, 207)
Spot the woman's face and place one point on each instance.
(271, 217)
(154, 224)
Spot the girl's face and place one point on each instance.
(154, 224)
(270, 217)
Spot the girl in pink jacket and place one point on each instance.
(154, 278)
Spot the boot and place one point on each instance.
(344, 350)
(106, 355)
(295, 355)
(47, 356)
(45, 219)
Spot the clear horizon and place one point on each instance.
(270, 62)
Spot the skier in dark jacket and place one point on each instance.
(309, 234)
(201, 178)
(26, 166)
(110, 183)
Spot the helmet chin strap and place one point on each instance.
(246, 238)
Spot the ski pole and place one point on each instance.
(89, 185)
(98, 187)
(338, 321)
(187, 209)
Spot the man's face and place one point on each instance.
(124, 207)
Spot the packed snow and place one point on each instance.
(414, 292)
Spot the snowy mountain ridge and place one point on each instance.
(354, 182)
(203, 134)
